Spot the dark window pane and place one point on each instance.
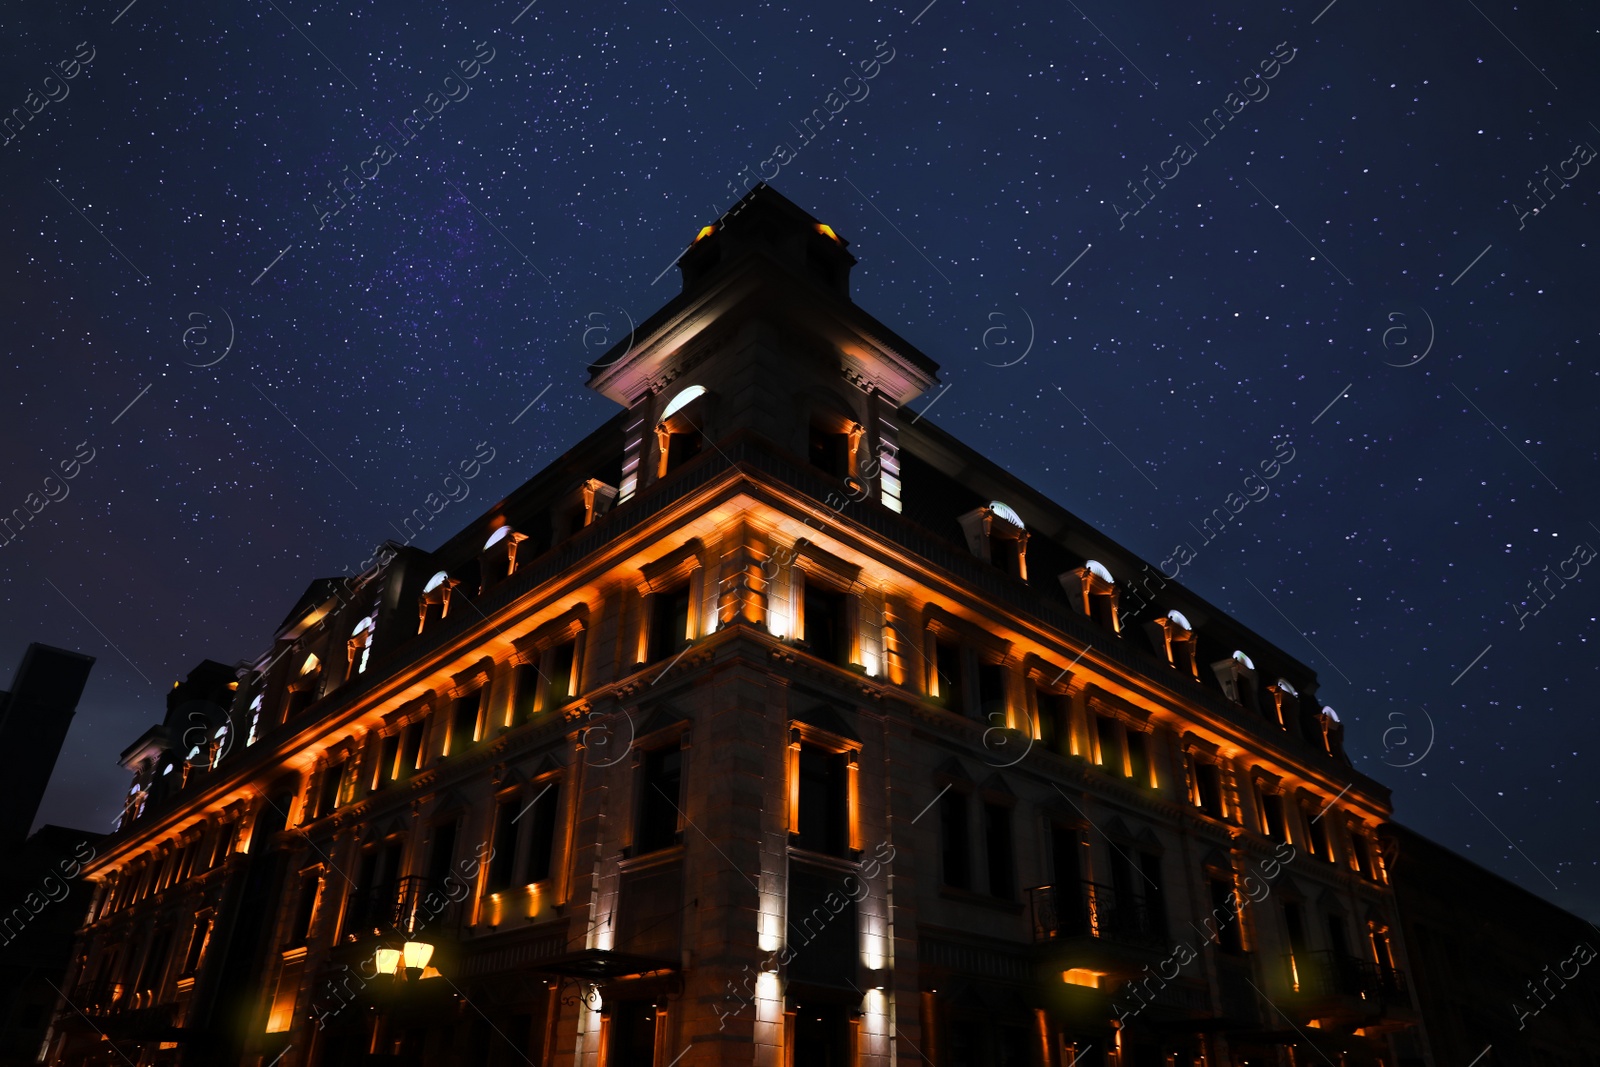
(829, 452)
(682, 447)
(953, 834)
(503, 862)
(947, 663)
(464, 722)
(826, 633)
(526, 692)
(992, 693)
(1110, 746)
(669, 622)
(388, 756)
(562, 659)
(1138, 757)
(824, 799)
(542, 834)
(658, 799)
(1002, 867)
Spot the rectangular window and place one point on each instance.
(1109, 744)
(441, 854)
(410, 750)
(1317, 836)
(562, 659)
(669, 622)
(464, 722)
(1272, 823)
(830, 451)
(1361, 854)
(542, 834)
(525, 693)
(388, 756)
(1154, 888)
(824, 801)
(954, 840)
(992, 693)
(826, 632)
(304, 911)
(659, 785)
(1225, 916)
(328, 790)
(1138, 757)
(1208, 789)
(998, 850)
(947, 665)
(197, 947)
(503, 863)
(1055, 721)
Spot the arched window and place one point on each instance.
(1243, 660)
(680, 434)
(1178, 617)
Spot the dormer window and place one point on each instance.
(499, 557)
(436, 591)
(1332, 731)
(255, 720)
(1237, 677)
(219, 744)
(359, 646)
(1094, 590)
(303, 688)
(1285, 702)
(834, 443)
(680, 434)
(996, 534)
(1174, 641)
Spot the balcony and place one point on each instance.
(1096, 926)
(1336, 986)
(404, 906)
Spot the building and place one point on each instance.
(768, 725)
(1503, 977)
(42, 898)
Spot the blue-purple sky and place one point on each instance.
(1348, 257)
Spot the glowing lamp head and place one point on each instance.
(387, 960)
(417, 954)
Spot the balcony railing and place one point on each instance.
(1324, 973)
(1089, 909)
(404, 906)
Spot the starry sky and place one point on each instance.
(257, 317)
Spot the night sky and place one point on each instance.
(1355, 261)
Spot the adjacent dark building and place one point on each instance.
(1504, 977)
(42, 898)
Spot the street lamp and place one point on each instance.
(407, 962)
